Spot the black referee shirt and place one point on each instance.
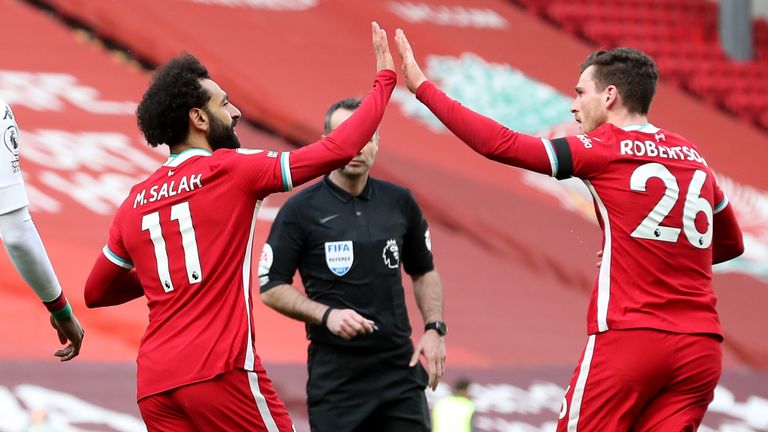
(348, 251)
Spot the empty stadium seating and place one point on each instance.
(682, 35)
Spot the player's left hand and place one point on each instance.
(432, 347)
(68, 329)
(600, 255)
(381, 48)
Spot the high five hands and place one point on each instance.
(412, 73)
(381, 48)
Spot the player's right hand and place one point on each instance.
(414, 77)
(381, 48)
(346, 323)
(69, 330)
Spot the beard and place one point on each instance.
(221, 136)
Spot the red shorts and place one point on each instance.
(237, 400)
(642, 380)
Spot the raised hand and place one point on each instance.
(412, 73)
(381, 48)
(68, 330)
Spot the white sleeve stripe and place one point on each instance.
(116, 260)
(285, 167)
(551, 153)
(720, 207)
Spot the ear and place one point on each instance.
(611, 96)
(198, 119)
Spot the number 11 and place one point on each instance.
(151, 223)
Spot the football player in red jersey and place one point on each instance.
(653, 355)
(183, 238)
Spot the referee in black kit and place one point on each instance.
(348, 235)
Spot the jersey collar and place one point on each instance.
(344, 195)
(645, 128)
(175, 160)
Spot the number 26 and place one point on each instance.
(650, 228)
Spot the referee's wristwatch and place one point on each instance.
(438, 326)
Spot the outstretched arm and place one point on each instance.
(340, 146)
(484, 135)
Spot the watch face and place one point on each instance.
(438, 326)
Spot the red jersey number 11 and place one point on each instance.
(151, 222)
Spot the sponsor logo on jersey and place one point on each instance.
(585, 140)
(339, 256)
(391, 254)
(328, 218)
(428, 240)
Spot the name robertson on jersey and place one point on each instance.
(652, 149)
(168, 189)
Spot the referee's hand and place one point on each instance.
(432, 348)
(346, 323)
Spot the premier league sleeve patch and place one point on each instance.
(339, 256)
(11, 139)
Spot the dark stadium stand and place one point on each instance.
(682, 35)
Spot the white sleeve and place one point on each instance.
(24, 246)
(13, 196)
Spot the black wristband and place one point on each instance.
(324, 320)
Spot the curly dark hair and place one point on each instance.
(175, 89)
(633, 72)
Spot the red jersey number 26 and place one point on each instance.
(151, 222)
(651, 229)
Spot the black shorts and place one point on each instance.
(352, 390)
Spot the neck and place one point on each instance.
(193, 141)
(626, 119)
(353, 185)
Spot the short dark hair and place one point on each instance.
(350, 104)
(175, 89)
(633, 72)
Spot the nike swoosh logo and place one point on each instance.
(326, 219)
(170, 173)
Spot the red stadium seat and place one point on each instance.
(682, 35)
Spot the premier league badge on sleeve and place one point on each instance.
(11, 140)
(339, 256)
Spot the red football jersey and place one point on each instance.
(655, 198)
(188, 231)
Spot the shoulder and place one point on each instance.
(389, 188)
(603, 135)
(246, 155)
(299, 200)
